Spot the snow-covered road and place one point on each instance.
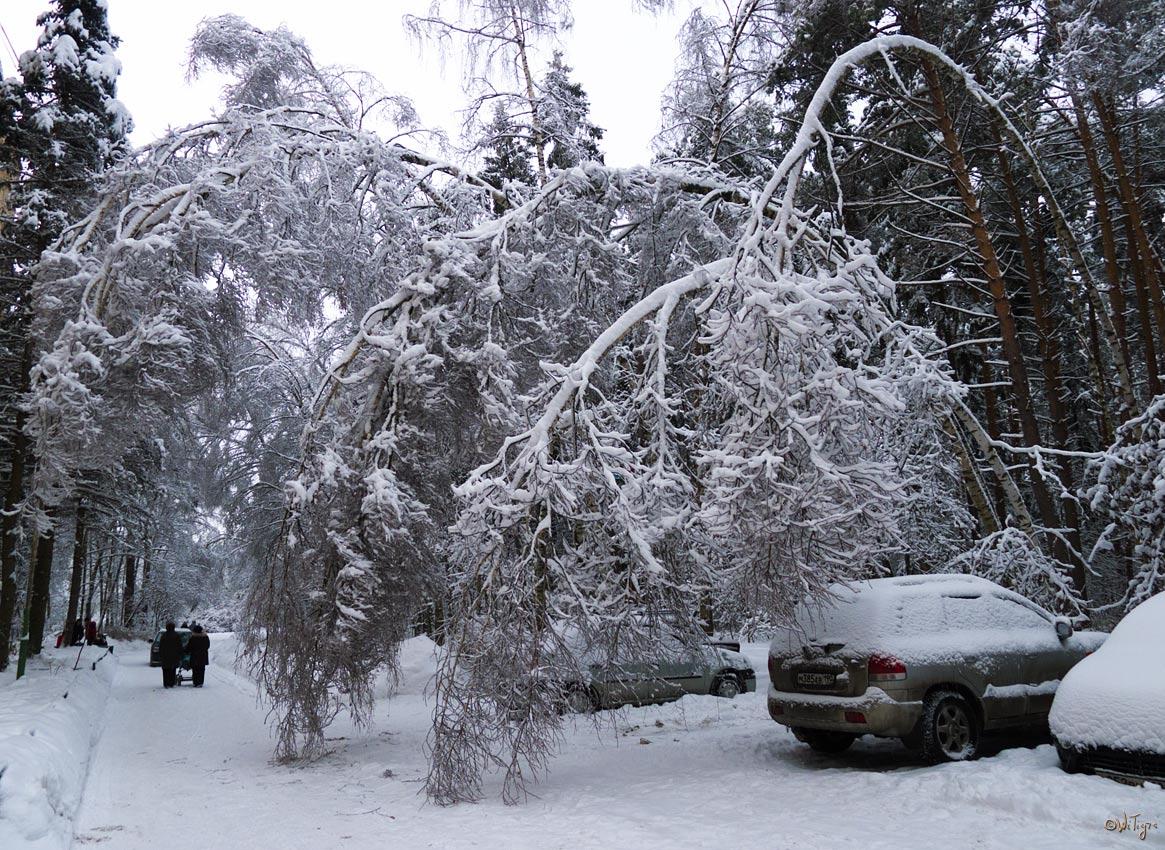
(191, 768)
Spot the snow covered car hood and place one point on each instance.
(735, 660)
(1116, 697)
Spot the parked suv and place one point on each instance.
(934, 660)
(156, 646)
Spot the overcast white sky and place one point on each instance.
(623, 58)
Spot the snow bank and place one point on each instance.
(1116, 697)
(49, 723)
(417, 664)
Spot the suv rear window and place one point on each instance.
(859, 620)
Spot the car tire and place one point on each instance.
(949, 728)
(727, 686)
(579, 699)
(824, 740)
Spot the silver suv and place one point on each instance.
(934, 660)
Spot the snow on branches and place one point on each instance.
(723, 430)
(1130, 494)
(629, 396)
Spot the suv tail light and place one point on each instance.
(886, 668)
(773, 667)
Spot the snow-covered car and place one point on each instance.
(935, 660)
(1108, 717)
(631, 677)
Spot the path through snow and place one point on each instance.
(192, 768)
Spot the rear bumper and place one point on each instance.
(884, 716)
(1131, 767)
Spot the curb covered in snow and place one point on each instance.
(50, 721)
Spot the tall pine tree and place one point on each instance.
(508, 151)
(62, 125)
(566, 126)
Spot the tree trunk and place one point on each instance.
(10, 518)
(144, 605)
(536, 136)
(78, 570)
(1140, 252)
(109, 583)
(973, 482)
(41, 582)
(720, 107)
(991, 411)
(127, 599)
(1104, 427)
(94, 572)
(1112, 271)
(1055, 393)
(1012, 349)
(1015, 503)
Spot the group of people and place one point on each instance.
(85, 634)
(172, 651)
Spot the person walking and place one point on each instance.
(170, 650)
(199, 648)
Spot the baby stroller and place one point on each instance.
(183, 671)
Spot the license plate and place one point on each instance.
(816, 680)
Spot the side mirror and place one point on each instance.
(1063, 628)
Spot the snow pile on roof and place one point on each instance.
(1116, 697)
(49, 722)
(926, 617)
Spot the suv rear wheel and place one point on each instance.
(950, 728)
(824, 740)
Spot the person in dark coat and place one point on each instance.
(199, 648)
(91, 633)
(78, 632)
(170, 651)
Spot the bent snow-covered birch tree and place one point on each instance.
(632, 395)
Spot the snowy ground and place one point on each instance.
(192, 768)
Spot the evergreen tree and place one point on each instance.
(71, 124)
(63, 125)
(566, 126)
(508, 159)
